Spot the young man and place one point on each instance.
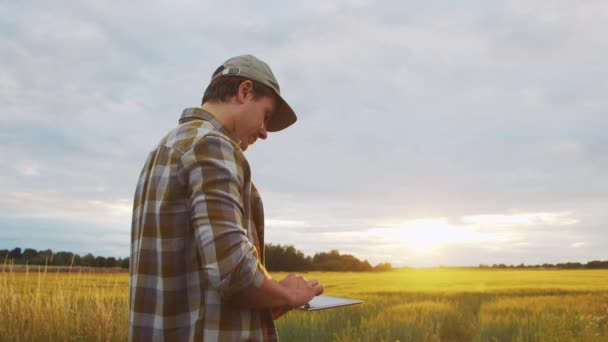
(197, 244)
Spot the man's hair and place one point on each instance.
(225, 87)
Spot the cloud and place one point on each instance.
(521, 219)
(53, 206)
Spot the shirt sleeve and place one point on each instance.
(214, 171)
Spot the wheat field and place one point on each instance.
(437, 304)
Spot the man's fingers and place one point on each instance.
(316, 286)
(313, 282)
(318, 289)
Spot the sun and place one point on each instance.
(428, 235)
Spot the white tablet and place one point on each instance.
(328, 302)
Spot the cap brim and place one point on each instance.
(283, 117)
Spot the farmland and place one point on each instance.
(435, 304)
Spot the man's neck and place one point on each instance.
(221, 114)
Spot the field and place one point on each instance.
(440, 304)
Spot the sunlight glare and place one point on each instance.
(428, 235)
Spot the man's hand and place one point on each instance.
(281, 296)
(301, 291)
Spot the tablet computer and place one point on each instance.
(328, 302)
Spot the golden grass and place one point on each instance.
(405, 305)
(63, 307)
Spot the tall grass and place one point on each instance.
(44, 306)
(459, 305)
(404, 305)
(457, 317)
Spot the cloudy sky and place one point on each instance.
(428, 133)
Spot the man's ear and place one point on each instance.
(245, 90)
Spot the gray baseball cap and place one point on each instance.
(252, 68)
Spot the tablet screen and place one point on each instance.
(328, 302)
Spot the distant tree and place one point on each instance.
(570, 265)
(15, 253)
(334, 261)
(29, 255)
(322, 257)
(77, 260)
(288, 258)
(100, 261)
(596, 264)
(366, 266)
(88, 260)
(3, 255)
(382, 267)
(34, 260)
(110, 262)
(62, 258)
(285, 258)
(124, 263)
(45, 257)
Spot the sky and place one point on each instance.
(428, 133)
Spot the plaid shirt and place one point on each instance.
(198, 226)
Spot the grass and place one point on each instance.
(63, 306)
(460, 305)
(443, 304)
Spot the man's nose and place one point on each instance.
(262, 133)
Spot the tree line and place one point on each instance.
(30, 256)
(288, 259)
(277, 257)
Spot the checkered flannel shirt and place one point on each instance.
(197, 239)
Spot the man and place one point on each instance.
(197, 244)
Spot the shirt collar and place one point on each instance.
(197, 113)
